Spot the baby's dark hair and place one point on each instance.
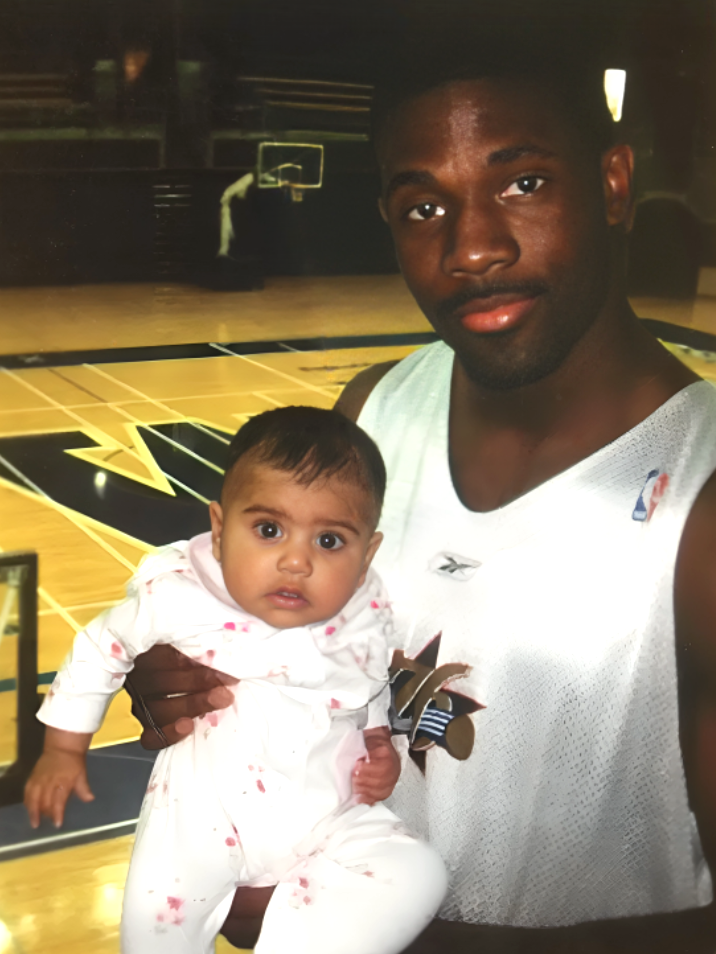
(313, 444)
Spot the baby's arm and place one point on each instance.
(61, 770)
(376, 775)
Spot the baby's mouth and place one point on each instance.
(287, 598)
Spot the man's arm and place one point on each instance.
(695, 609)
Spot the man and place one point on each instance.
(550, 522)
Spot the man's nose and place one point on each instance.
(479, 241)
(295, 558)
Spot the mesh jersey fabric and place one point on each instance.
(572, 805)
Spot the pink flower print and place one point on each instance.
(117, 675)
(148, 587)
(230, 625)
(231, 842)
(303, 882)
(160, 918)
(213, 718)
(260, 786)
(245, 627)
(335, 704)
(210, 653)
(116, 650)
(330, 630)
(174, 903)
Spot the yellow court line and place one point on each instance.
(267, 397)
(145, 397)
(83, 523)
(93, 431)
(60, 610)
(265, 367)
(80, 607)
(53, 602)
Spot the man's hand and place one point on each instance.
(375, 776)
(175, 690)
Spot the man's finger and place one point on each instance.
(169, 711)
(174, 681)
(152, 741)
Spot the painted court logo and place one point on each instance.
(651, 493)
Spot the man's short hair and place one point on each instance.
(312, 444)
(574, 75)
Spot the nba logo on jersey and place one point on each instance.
(651, 493)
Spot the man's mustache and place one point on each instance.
(447, 308)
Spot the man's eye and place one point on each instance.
(525, 185)
(426, 210)
(329, 541)
(269, 531)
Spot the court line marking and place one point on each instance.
(96, 434)
(78, 520)
(49, 599)
(67, 836)
(265, 367)
(157, 403)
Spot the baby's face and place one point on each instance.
(292, 555)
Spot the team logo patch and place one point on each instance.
(454, 566)
(651, 493)
(425, 710)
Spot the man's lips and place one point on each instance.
(497, 313)
(287, 598)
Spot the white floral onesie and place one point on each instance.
(260, 793)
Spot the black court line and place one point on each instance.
(674, 334)
(58, 359)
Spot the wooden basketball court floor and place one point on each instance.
(116, 406)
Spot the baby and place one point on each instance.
(280, 596)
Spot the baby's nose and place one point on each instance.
(295, 559)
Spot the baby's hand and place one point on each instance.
(375, 776)
(54, 778)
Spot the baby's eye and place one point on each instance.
(269, 531)
(329, 541)
(525, 185)
(426, 210)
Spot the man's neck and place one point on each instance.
(505, 443)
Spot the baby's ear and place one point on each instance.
(372, 549)
(216, 515)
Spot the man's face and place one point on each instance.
(501, 223)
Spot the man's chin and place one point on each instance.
(510, 370)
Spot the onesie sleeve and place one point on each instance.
(98, 663)
(378, 708)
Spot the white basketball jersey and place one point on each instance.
(572, 805)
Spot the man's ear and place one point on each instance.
(617, 176)
(375, 542)
(381, 209)
(216, 515)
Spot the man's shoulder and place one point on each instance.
(357, 391)
(428, 359)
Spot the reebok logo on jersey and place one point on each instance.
(454, 566)
(651, 493)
